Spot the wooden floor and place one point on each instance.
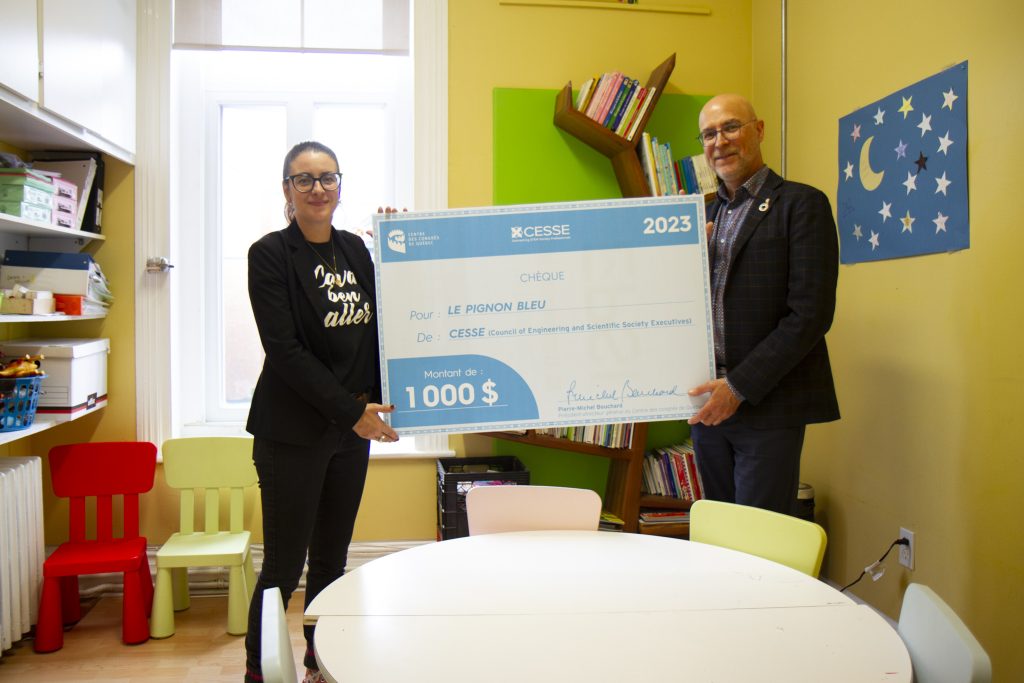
(200, 649)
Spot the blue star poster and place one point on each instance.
(903, 172)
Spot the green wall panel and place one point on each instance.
(536, 162)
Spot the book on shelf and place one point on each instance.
(610, 522)
(585, 93)
(644, 106)
(647, 162)
(665, 516)
(630, 110)
(697, 176)
(626, 90)
(609, 436)
(672, 472)
(600, 93)
(609, 98)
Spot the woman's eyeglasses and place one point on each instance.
(303, 182)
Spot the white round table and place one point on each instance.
(594, 606)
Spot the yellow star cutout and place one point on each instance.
(908, 222)
(907, 107)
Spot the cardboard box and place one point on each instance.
(27, 306)
(65, 189)
(32, 212)
(76, 373)
(26, 194)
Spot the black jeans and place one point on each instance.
(310, 497)
(756, 467)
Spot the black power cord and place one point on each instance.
(872, 567)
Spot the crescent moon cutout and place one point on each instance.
(868, 178)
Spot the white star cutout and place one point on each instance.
(911, 182)
(856, 132)
(908, 222)
(925, 125)
(885, 213)
(942, 183)
(848, 171)
(901, 150)
(948, 99)
(944, 143)
(857, 232)
(940, 223)
(874, 240)
(879, 117)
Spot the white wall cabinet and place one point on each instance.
(19, 67)
(89, 65)
(85, 97)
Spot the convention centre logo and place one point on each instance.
(396, 240)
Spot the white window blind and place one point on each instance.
(358, 26)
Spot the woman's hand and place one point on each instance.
(370, 426)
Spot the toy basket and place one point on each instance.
(18, 399)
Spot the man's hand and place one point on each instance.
(720, 407)
(709, 228)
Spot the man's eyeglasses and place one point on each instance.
(303, 182)
(729, 131)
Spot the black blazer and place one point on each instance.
(779, 301)
(297, 397)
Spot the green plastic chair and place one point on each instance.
(207, 464)
(787, 540)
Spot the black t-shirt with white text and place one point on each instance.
(347, 312)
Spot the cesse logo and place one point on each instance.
(520, 232)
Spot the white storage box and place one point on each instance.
(76, 374)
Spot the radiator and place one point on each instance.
(21, 546)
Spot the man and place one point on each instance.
(773, 252)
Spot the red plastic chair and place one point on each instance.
(100, 470)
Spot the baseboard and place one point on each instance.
(214, 580)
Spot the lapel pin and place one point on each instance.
(764, 205)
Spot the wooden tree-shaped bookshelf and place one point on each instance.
(620, 150)
(625, 474)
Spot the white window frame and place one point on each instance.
(154, 314)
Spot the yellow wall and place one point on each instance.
(502, 46)
(926, 350)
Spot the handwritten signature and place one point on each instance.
(627, 391)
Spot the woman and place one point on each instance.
(315, 404)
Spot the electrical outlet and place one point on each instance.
(907, 551)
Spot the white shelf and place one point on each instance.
(22, 226)
(41, 424)
(54, 318)
(27, 125)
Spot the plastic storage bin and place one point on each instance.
(18, 399)
(456, 476)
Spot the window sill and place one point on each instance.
(406, 448)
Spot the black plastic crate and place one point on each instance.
(456, 476)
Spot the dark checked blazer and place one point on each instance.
(297, 397)
(779, 300)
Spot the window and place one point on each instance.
(239, 113)
(233, 117)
